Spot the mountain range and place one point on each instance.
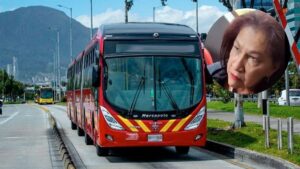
(30, 35)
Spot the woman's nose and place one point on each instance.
(238, 63)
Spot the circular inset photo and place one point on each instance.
(249, 51)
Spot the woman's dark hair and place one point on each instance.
(277, 43)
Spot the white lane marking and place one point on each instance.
(12, 137)
(6, 120)
(28, 137)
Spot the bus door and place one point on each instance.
(96, 71)
(82, 113)
(73, 87)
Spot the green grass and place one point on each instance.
(252, 137)
(251, 108)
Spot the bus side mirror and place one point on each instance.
(203, 37)
(96, 76)
(208, 76)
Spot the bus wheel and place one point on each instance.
(73, 125)
(101, 151)
(80, 132)
(182, 149)
(87, 139)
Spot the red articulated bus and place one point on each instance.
(138, 85)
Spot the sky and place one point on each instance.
(110, 11)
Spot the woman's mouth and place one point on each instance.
(233, 77)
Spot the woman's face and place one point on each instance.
(249, 61)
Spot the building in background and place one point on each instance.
(12, 69)
(9, 69)
(15, 68)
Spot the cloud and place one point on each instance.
(207, 15)
(108, 16)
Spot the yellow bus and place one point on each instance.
(45, 96)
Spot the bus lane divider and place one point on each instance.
(63, 150)
(248, 156)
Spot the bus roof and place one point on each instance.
(146, 28)
(140, 30)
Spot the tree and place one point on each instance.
(3, 79)
(18, 89)
(220, 92)
(129, 4)
(294, 76)
(9, 87)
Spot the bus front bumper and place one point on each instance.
(135, 139)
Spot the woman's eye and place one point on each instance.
(236, 47)
(253, 59)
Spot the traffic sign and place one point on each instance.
(293, 44)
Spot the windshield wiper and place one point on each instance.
(136, 95)
(171, 98)
(191, 78)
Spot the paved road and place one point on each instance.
(137, 158)
(26, 140)
(229, 116)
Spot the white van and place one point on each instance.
(294, 97)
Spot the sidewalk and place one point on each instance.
(229, 116)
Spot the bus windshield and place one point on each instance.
(46, 94)
(153, 83)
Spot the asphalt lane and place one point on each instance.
(25, 135)
(137, 158)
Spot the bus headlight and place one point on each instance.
(110, 120)
(196, 121)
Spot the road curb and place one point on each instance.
(248, 156)
(65, 156)
(63, 149)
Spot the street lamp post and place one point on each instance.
(196, 15)
(58, 61)
(71, 37)
(128, 5)
(91, 31)
(54, 75)
(287, 86)
(58, 64)
(163, 3)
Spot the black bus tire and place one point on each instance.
(80, 131)
(73, 125)
(101, 151)
(87, 139)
